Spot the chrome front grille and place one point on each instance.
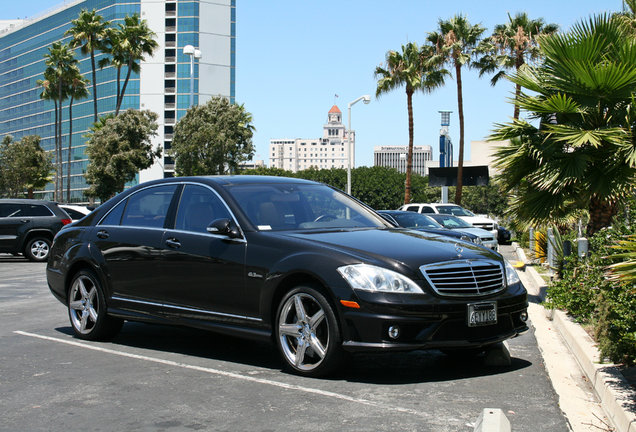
(486, 226)
(465, 278)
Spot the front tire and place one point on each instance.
(307, 333)
(37, 249)
(87, 309)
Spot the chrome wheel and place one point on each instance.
(303, 331)
(38, 249)
(83, 305)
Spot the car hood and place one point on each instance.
(407, 247)
(477, 219)
(481, 233)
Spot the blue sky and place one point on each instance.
(294, 56)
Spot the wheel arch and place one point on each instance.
(33, 234)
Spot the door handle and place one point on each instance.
(24, 220)
(173, 243)
(102, 234)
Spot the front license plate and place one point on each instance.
(480, 314)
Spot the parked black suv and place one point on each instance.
(28, 227)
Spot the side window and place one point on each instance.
(114, 217)
(35, 210)
(9, 210)
(198, 207)
(427, 209)
(149, 207)
(413, 208)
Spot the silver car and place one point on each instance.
(488, 239)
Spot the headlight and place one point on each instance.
(465, 238)
(511, 275)
(477, 240)
(371, 278)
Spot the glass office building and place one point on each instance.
(162, 85)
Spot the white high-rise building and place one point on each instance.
(330, 151)
(395, 157)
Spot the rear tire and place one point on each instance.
(307, 333)
(87, 309)
(37, 249)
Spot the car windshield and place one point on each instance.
(283, 207)
(454, 210)
(452, 222)
(414, 220)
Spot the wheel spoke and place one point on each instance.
(76, 305)
(300, 309)
(300, 352)
(316, 345)
(93, 314)
(289, 329)
(82, 288)
(315, 320)
(84, 321)
(92, 294)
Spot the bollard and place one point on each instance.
(551, 252)
(531, 240)
(582, 245)
(492, 420)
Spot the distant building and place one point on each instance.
(330, 151)
(395, 157)
(161, 85)
(252, 165)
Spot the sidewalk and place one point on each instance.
(593, 396)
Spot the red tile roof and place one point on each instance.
(334, 109)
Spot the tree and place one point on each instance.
(117, 149)
(412, 69)
(512, 45)
(128, 44)
(76, 90)
(582, 156)
(214, 138)
(24, 166)
(89, 32)
(455, 43)
(60, 62)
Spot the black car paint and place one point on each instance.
(275, 262)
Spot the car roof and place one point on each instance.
(228, 180)
(25, 201)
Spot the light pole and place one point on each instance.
(366, 99)
(194, 53)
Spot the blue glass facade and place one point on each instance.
(22, 51)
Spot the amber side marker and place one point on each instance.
(350, 304)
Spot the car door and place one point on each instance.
(129, 241)
(203, 271)
(12, 224)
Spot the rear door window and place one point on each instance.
(149, 207)
(35, 210)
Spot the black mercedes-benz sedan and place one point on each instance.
(288, 260)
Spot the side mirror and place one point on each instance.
(224, 227)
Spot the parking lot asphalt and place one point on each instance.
(168, 378)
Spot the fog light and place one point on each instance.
(394, 332)
(523, 316)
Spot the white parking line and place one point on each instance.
(226, 374)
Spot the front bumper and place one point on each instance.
(439, 325)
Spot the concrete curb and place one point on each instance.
(617, 398)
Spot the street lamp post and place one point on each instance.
(194, 53)
(366, 99)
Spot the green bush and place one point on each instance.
(591, 297)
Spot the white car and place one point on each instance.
(76, 212)
(482, 222)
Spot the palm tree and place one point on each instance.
(512, 45)
(455, 43)
(582, 156)
(412, 68)
(49, 86)
(127, 45)
(88, 32)
(77, 89)
(60, 60)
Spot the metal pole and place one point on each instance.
(191, 79)
(349, 151)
